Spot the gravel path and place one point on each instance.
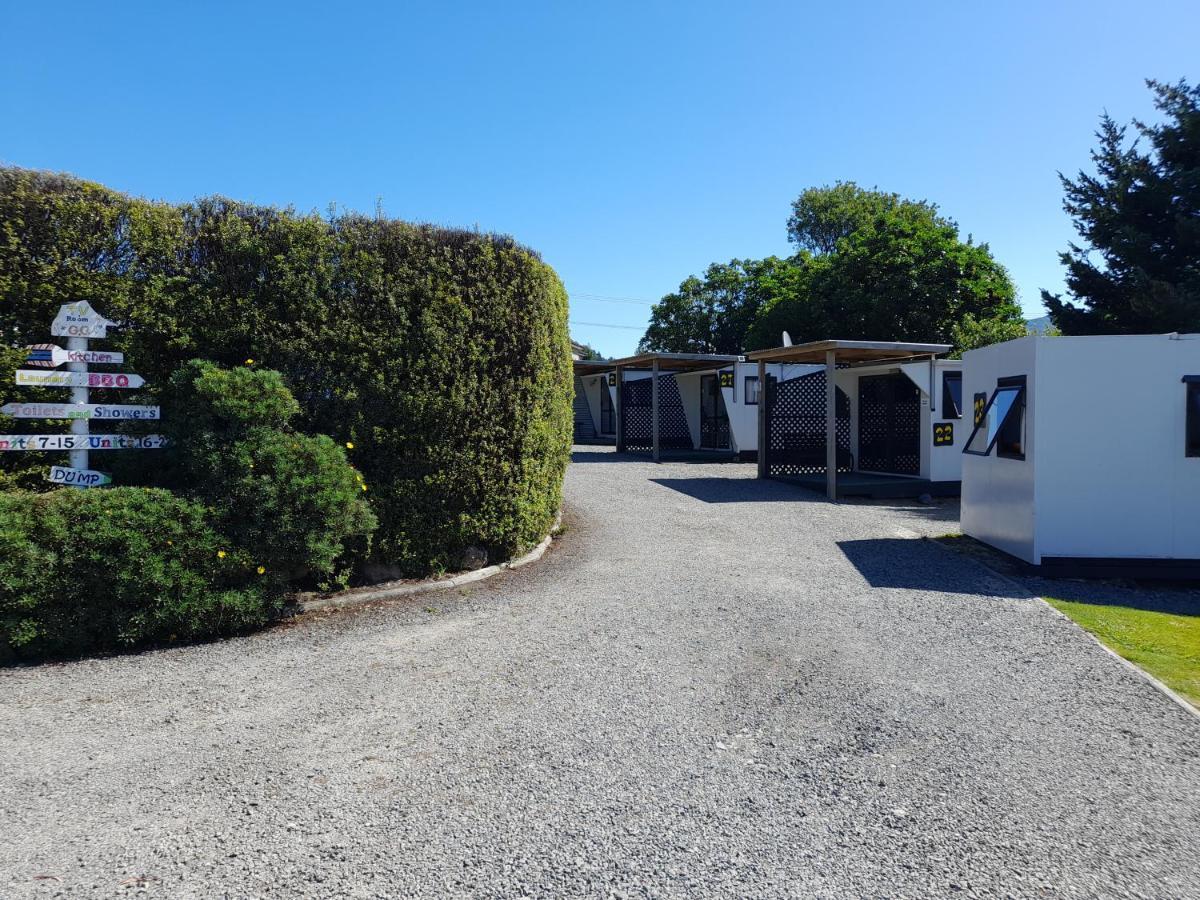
(711, 686)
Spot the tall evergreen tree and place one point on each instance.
(1139, 215)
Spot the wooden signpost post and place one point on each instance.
(78, 323)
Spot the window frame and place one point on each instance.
(1002, 384)
(746, 390)
(948, 398)
(1191, 417)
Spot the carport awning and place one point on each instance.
(592, 366)
(675, 362)
(848, 352)
(832, 353)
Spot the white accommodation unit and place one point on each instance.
(905, 419)
(721, 405)
(704, 401)
(875, 418)
(1086, 451)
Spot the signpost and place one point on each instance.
(78, 323)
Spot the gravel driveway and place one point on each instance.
(711, 686)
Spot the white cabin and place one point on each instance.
(1086, 451)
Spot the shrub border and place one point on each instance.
(307, 603)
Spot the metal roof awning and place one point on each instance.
(675, 362)
(832, 353)
(592, 366)
(848, 351)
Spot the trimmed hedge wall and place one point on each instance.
(439, 357)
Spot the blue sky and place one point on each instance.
(630, 143)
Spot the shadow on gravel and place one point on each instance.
(737, 490)
(915, 565)
(604, 456)
(611, 456)
(1180, 598)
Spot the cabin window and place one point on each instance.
(1002, 424)
(952, 395)
(751, 390)
(1192, 383)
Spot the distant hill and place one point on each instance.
(1038, 325)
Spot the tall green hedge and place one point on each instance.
(439, 357)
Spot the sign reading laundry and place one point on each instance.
(34, 378)
(81, 441)
(78, 411)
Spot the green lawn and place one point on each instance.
(1165, 644)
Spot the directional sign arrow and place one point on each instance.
(78, 411)
(51, 356)
(77, 477)
(34, 378)
(81, 441)
(80, 320)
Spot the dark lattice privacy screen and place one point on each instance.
(673, 431)
(889, 424)
(796, 426)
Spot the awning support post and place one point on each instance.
(654, 408)
(830, 424)
(762, 419)
(932, 383)
(619, 409)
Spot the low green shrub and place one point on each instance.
(103, 570)
(290, 500)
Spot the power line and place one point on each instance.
(601, 298)
(606, 325)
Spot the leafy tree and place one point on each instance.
(822, 216)
(712, 314)
(904, 275)
(971, 332)
(586, 351)
(1139, 216)
(788, 303)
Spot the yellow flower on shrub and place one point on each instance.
(249, 362)
(220, 554)
(349, 445)
(262, 570)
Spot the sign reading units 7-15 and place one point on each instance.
(81, 441)
(78, 411)
(33, 378)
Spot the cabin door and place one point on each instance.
(714, 419)
(607, 423)
(889, 424)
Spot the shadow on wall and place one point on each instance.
(916, 565)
